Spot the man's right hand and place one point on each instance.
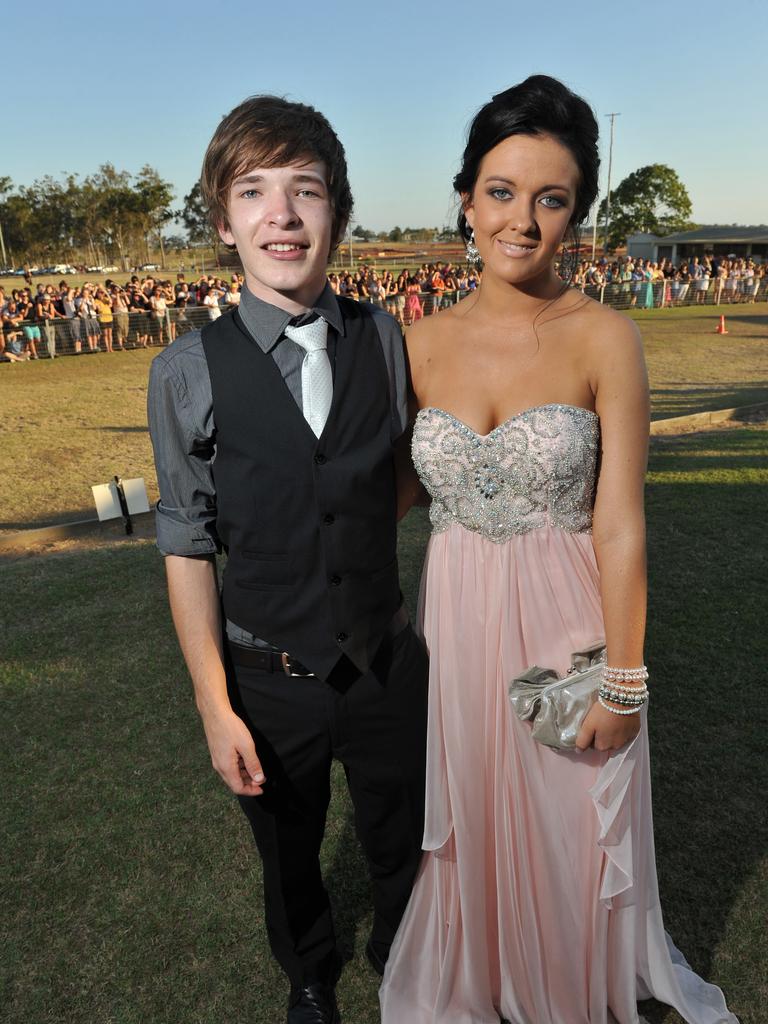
(233, 753)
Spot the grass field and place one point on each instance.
(131, 893)
(75, 422)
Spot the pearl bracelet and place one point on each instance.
(624, 675)
(619, 711)
(631, 692)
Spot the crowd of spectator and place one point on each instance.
(411, 294)
(102, 318)
(142, 311)
(647, 284)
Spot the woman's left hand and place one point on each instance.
(603, 730)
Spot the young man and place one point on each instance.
(300, 396)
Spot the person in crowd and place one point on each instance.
(120, 306)
(30, 329)
(180, 322)
(537, 899)
(701, 281)
(300, 397)
(747, 281)
(647, 286)
(389, 290)
(102, 302)
(232, 294)
(375, 289)
(158, 304)
(685, 282)
(721, 273)
(69, 311)
(45, 314)
(759, 282)
(88, 314)
(625, 282)
(13, 344)
(211, 301)
(413, 308)
(435, 289)
(449, 281)
(140, 312)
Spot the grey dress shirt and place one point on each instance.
(181, 425)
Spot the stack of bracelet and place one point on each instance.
(612, 688)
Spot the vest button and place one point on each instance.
(328, 519)
(320, 459)
(341, 638)
(335, 580)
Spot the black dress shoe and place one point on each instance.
(313, 1004)
(375, 959)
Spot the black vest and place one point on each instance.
(309, 524)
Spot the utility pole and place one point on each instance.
(608, 192)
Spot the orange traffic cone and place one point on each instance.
(720, 329)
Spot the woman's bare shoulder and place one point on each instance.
(432, 330)
(600, 327)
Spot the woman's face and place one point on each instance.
(521, 205)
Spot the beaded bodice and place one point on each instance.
(535, 469)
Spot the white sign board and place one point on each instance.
(108, 503)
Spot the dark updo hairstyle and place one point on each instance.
(538, 106)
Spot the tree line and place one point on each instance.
(114, 216)
(106, 217)
(651, 199)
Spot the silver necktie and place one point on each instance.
(316, 376)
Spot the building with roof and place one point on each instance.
(717, 239)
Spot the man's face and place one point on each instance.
(280, 220)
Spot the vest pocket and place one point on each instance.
(266, 570)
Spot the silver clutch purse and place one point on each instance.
(557, 707)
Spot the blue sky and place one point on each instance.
(147, 82)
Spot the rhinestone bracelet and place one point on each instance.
(619, 711)
(622, 698)
(624, 675)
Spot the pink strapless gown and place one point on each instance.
(537, 899)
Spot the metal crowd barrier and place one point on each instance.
(145, 329)
(130, 330)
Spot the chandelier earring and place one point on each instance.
(473, 253)
(568, 261)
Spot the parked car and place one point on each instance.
(149, 266)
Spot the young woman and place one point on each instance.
(537, 900)
(413, 308)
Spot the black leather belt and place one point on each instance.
(267, 661)
(281, 661)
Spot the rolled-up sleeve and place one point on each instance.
(180, 414)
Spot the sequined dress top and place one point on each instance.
(536, 469)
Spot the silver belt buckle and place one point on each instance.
(286, 661)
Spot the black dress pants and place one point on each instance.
(377, 729)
